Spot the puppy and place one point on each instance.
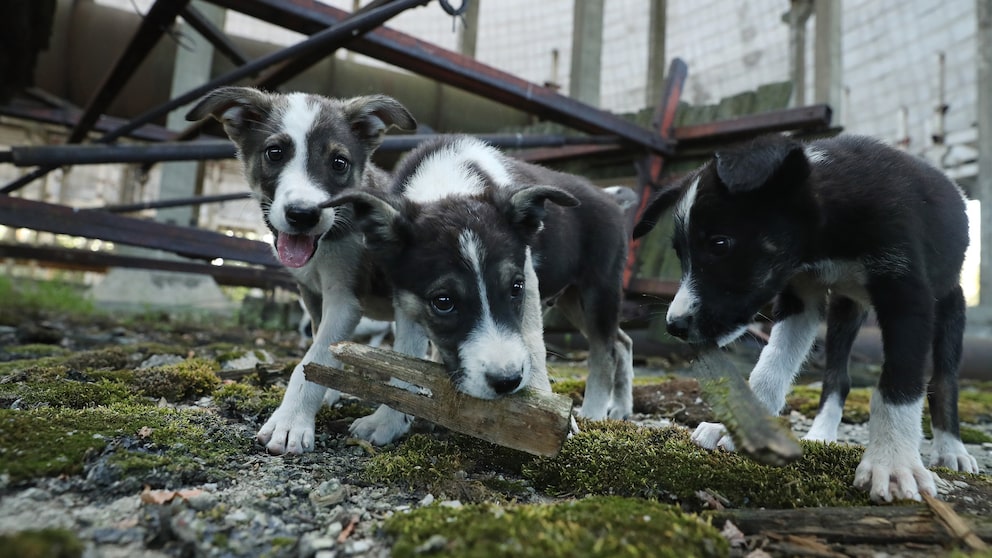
(846, 220)
(473, 241)
(297, 152)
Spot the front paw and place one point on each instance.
(382, 427)
(889, 476)
(712, 435)
(287, 432)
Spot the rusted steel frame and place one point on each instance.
(184, 241)
(88, 260)
(649, 170)
(454, 69)
(214, 35)
(153, 25)
(328, 38)
(177, 202)
(57, 155)
(722, 131)
(69, 117)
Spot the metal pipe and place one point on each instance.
(328, 38)
(178, 202)
(58, 155)
(215, 36)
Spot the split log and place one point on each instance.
(755, 433)
(531, 421)
(871, 525)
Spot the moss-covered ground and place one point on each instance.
(617, 489)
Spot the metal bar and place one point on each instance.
(57, 155)
(178, 202)
(799, 118)
(89, 260)
(649, 171)
(328, 38)
(153, 25)
(184, 241)
(454, 69)
(70, 117)
(214, 35)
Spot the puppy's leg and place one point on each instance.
(291, 427)
(844, 319)
(891, 467)
(533, 329)
(622, 402)
(797, 314)
(948, 451)
(387, 424)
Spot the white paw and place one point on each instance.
(382, 427)
(955, 460)
(816, 435)
(592, 411)
(712, 435)
(287, 432)
(891, 475)
(620, 412)
(331, 397)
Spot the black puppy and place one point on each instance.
(846, 220)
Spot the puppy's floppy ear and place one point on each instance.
(525, 207)
(372, 115)
(383, 224)
(661, 202)
(237, 108)
(768, 161)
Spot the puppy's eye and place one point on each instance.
(273, 154)
(443, 304)
(719, 245)
(339, 164)
(517, 288)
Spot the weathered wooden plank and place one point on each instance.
(529, 420)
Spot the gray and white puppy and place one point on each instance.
(298, 151)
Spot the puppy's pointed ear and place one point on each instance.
(372, 115)
(765, 163)
(239, 109)
(525, 208)
(383, 224)
(661, 202)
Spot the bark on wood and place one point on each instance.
(755, 433)
(872, 525)
(530, 421)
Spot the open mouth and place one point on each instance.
(295, 250)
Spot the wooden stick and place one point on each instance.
(529, 420)
(755, 433)
(955, 524)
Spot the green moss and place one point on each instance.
(25, 298)
(806, 400)
(598, 526)
(45, 543)
(191, 378)
(51, 441)
(421, 462)
(35, 350)
(66, 393)
(620, 458)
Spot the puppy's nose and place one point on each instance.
(503, 384)
(302, 217)
(679, 326)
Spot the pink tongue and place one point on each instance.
(295, 250)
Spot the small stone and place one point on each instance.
(202, 501)
(359, 547)
(329, 493)
(155, 361)
(427, 500)
(334, 529)
(454, 504)
(237, 516)
(311, 543)
(435, 543)
(36, 494)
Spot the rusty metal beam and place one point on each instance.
(69, 117)
(214, 35)
(184, 241)
(100, 261)
(57, 155)
(405, 51)
(177, 202)
(812, 117)
(154, 24)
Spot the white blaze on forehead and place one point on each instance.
(295, 187)
(816, 155)
(450, 171)
(684, 206)
(686, 302)
(489, 347)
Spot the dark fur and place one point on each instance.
(774, 219)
